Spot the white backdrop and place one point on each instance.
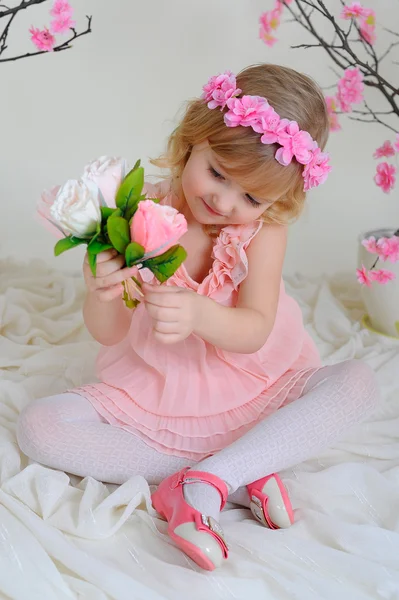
(118, 92)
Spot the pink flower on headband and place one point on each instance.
(268, 125)
(219, 89)
(316, 171)
(295, 143)
(245, 111)
(256, 112)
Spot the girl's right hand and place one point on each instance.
(110, 273)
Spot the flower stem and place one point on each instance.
(378, 258)
(138, 285)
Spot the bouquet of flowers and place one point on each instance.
(105, 209)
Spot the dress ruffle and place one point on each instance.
(193, 438)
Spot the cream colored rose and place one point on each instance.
(76, 208)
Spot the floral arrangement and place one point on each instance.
(106, 209)
(352, 49)
(45, 39)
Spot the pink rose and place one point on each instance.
(43, 208)
(157, 227)
(107, 173)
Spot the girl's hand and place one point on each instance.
(175, 311)
(110, 273)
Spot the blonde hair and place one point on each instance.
(240, 152)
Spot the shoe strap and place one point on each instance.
(187, 476)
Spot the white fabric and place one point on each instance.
(61, 539)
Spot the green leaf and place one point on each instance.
(107, 212)
(67, 243)
(133, 253)
(128, 194)
(95, 247)
(165, 265)
(132, 207)
(118, 233)
(92, 258)
(397, 326)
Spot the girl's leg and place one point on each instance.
(66, 433)
(335, 398)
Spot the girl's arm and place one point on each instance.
(245, 328)
(178, 312)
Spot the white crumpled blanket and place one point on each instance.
(64, 539)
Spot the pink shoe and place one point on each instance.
(199, 536)
(270, 503)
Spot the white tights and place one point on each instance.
(65, 432)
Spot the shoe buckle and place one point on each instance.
(215, 527)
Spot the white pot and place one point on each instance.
(381, 300)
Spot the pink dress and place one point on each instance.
(192, 399)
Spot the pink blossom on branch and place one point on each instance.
(62, 24)
(396, 144)
(388, 249)
(61, 8)
(368, 33)
(332, 106)
(353, 11)
(363, 276)
(350, 89)
(385, 150)
(385, 248)
(62, 13)
(42, 38)
(370, 244)
(385, 177)
(381, 276)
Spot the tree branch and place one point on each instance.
(64, 46)
(24, 4)
(341, 51)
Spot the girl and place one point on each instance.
(212, 385)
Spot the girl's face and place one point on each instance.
(212, 197)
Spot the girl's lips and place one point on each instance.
(213, 212)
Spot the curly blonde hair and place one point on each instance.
(243, 157)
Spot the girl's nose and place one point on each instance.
(222, 203)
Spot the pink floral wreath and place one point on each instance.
(256, 112)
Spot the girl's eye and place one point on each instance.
(252, 200)
(215, 174)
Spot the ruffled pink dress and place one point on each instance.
(192, 399)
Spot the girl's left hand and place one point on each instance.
(175, 311)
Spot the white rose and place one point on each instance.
(107, 173)
(77, 209)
